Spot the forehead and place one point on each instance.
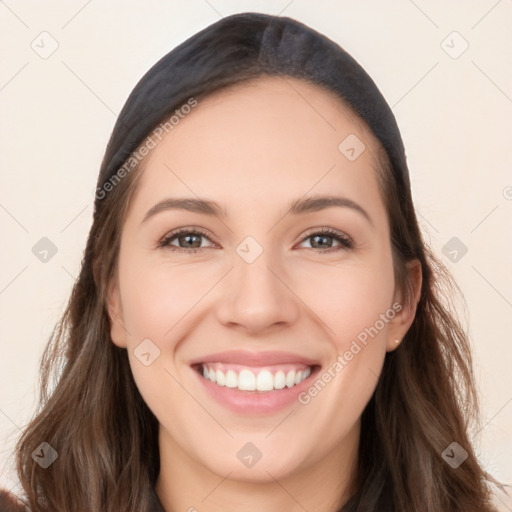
(271, 137)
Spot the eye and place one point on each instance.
(320, 239)
(189, 240)
(189, 237)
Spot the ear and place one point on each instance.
(400, 324)
(115, 314)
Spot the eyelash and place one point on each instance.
(345, 241)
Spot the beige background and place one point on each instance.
(455, 115)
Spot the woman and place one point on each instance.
(258, 324)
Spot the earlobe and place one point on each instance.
(117, 328)
(401, 323)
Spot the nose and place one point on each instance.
(257, 296)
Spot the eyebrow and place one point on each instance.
(297, 207)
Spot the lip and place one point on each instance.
(254, 402)
(248, 358)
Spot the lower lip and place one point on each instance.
(255, 402)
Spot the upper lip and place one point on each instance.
(244, 357)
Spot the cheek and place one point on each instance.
(348, 298)
(156, 300)
(156, 297)
(354, 308)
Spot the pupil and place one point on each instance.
(320, 237)
(189, 238)
(317, 240)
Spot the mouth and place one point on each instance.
(254, 383)
(263, 379)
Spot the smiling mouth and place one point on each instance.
(256, 379)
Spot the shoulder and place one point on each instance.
(10, 503)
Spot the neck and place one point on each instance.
(184, 484)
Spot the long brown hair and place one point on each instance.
(91, 412)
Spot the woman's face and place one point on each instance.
(253, 295)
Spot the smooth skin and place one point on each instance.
(254, 149)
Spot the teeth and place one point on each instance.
(265, 380)
(246, 381)
(279, 380)
(220, 378)
(231, 379)
(290, 378)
